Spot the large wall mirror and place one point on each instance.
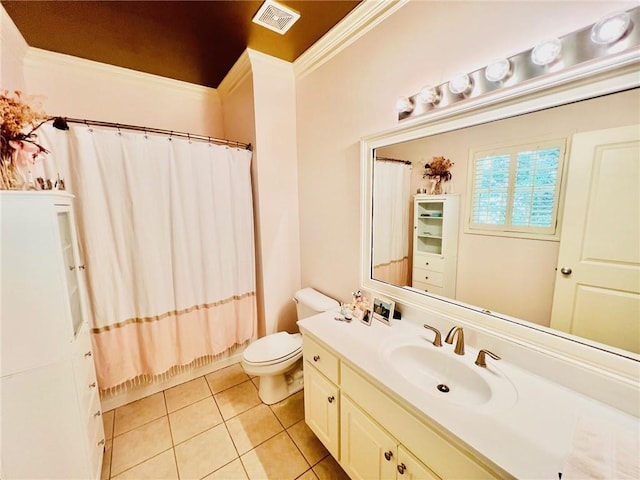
(540, 282)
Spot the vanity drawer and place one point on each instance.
(421, 275)
(321, 358)
(430, 262)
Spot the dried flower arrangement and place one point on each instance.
(438, 171)
(21, 117)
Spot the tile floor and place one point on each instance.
(215, 428)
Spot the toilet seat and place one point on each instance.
(272, 349)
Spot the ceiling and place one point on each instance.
(192, 41)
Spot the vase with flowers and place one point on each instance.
(438, 172)
(21, 117)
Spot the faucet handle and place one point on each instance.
(481, 362)
(437, 342)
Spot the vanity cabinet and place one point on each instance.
(435, 243)
(372, 434)
(322, 396)
(51, 415)
(368, 451)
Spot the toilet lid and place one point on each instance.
(273, 347)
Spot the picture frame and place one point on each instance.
(367, 317)
(383, 309)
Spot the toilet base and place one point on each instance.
(275, 388)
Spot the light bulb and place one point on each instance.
(460, 84)
(498, 70)
(429, 94)
(611, 28)
(404, 105)
(546, 52)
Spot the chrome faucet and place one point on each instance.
(437, 342)
(459, 348)
(481, 362)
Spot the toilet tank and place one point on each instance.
(310, 301)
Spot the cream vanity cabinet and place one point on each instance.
(51, 424)
(435, 243)
(370, 433)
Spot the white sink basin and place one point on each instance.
(446, 376)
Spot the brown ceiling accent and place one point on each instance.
(193, 41)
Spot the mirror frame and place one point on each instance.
(604, 76)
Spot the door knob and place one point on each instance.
(565, 271)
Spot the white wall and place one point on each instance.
(13, 48)
(353, 95)
(276, 179)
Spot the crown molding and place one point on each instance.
(238, 73)
(39, 58)
(362, 19)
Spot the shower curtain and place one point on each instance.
(391, 201)
(166, 229)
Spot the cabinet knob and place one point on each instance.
(401, 468)
(316, 358)
(97, 414)
(388, 455)
(81, 267)
(426, 278)
(426, 263)
(331, 399)
(101, 442)
(565, 271)
(88, 354)
(71, 267)
(92, 385)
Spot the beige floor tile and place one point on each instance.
(140, 444)
(107, 422)
(308, 475)
(205, 453)
(277, 458)
(256, 382)
(290, 410)
(238, 399)
(226, 377)
(312, 448)
(329, 469)
(194, 419)
(186, 393)
(138, 413)
(251, 428)
(106, 460)
(160, 467)
(231, 471)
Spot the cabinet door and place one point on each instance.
(322, 408)
(367, 452)
(410, 468)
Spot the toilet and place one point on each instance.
(277, 358)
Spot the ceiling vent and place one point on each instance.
(276, 17)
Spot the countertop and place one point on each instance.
(535, 435)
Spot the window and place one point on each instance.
(515, 190)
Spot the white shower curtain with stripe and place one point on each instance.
(391, 201)
(166, 230)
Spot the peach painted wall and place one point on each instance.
(13, 48)
(276, 181)
(353, 94)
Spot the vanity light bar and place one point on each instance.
(613, 34)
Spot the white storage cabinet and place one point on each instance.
(51, 419)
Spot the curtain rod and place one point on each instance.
(385, 159)
(171, 133)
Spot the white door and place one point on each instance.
(597, 292)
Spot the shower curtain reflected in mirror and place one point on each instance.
(166, 230)
(391, 184)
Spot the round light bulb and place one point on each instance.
(460, 84)
(429, 94)
(404, 105)
(546, 52)
(611, 28)
(498, 70)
